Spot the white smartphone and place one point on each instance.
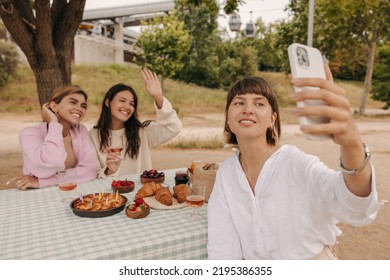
(307, 62)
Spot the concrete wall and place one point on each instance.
(93, 49)
(96, 49)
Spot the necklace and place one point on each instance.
(252, 174)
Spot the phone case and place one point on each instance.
(306, 62)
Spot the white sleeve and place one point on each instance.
(166, 126)
(329, 188)
(223, 240)
(352, 209)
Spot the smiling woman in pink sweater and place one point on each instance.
(59, 142)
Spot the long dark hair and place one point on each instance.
(253, 85)
(132, 125)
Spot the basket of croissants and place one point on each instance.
(163, 194)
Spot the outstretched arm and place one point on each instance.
(341, 126)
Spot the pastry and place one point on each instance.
(103, 201)
(180, 192)
(149, 189)
(164, 196)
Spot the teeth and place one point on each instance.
(76, 115)
(124, 112)
(247, 121)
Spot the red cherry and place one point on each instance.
(139, 201)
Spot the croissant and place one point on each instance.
(148, 189)
(164, 196)
(180, 192)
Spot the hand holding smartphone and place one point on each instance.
(307, 62)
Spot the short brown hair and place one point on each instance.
(252, 85)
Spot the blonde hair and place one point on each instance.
(59, 93)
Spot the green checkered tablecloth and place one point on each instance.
(36, 224)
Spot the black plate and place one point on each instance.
(99, 213)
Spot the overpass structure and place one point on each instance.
(103, 36)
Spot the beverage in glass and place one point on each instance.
(116, 144)
(196, 200)
(67, 179)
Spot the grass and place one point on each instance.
(20, 94)
(196, 144)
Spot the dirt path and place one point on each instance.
(369, 242)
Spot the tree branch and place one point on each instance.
(19, 24)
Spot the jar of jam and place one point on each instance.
(181, 177)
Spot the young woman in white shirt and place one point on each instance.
(273, 201)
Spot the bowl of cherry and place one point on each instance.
(152, 175)
(122, 186)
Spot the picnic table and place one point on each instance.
(36, 224)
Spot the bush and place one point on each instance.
(9, 58)
(240, 61)
(381, 77)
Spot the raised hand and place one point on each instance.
(153, 86)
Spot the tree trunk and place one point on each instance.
(45, 35)
(368, 78)
(47, 78)
(162, 82)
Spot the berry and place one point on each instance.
(152, 174)
(139, 201)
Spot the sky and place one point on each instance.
(268, 10)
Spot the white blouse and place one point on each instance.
(297, 204)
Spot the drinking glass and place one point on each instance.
(196, 200)
(67, 181)
(116, 144)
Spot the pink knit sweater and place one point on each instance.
(44, 152)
